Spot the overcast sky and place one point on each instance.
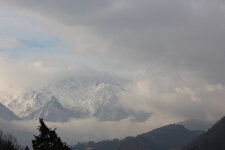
(172, 51)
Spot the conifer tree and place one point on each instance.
(48, 139)
(26, 148)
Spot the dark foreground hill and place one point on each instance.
(213, 139)
(171, 137)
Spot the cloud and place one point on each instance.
(179, 35)
(33, 71)
(22, 73)
(17, 75)
(186, 98)
(7, 44)
(172, 50)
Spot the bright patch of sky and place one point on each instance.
(21, 34)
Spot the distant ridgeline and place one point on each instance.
(213, 139)
(170, 137)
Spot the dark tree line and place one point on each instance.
(9, 142)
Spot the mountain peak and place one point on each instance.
(53, 103)
(75, 97)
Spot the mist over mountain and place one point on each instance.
(74, 97)
(83, 98)
(105, 69)
(54, 111)
(194, 124)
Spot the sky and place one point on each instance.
(171, 51)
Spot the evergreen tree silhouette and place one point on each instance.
(48, 139)
(26, 148)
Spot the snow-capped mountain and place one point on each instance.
(74, 97)
(6, 114)
(85, 92)
(26, 103)
(54, 111)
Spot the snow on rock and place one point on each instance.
(74, 97)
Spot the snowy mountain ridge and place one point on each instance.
(76, 97)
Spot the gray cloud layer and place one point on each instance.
(177, 45)
(178, 34)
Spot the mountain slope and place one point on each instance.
(87, 96)
(26, 103)
(55, 112)
(164, 138)
(213, 139)
(6, 114)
